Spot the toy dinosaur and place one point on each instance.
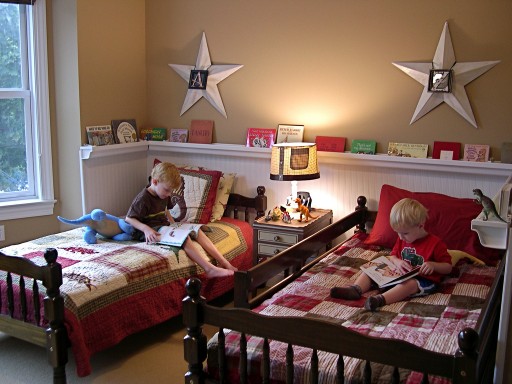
(303, 210)
(99, 222)
(487, 205)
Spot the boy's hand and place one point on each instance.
(151, 236)
(401, 265)
(427, 268)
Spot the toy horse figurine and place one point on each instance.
(303, 210)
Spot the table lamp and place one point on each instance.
(293, 162)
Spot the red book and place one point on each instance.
(446, 150)
(330, 144)
(201, 132)
(261, 137)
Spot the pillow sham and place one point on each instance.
(221, 198)
(448, 218)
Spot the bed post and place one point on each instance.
(195, 341)
(56, 336)
(361, 206)
(261, 202)
(465, 357)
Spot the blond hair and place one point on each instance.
(166, 173)
(407, 213)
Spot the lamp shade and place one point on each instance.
(294, 161)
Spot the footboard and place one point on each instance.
(472, 363)
(21, 315)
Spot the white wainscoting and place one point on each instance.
(122, 170)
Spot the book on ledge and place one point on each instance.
(384, 273)
(175, 234)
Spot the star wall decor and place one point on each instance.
(203, 78)
(444, 63)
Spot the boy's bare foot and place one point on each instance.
(219, 272)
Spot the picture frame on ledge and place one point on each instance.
(125, 131)
(290, 133)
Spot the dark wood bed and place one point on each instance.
(472, 362)
(23, 315)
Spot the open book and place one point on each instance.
(384, 273)
(176, 233)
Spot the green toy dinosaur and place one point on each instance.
(487, 205)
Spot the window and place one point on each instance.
(26, 182)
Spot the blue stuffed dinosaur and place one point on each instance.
(109, 226)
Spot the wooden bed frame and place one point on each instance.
(54, 336)
(472, 363)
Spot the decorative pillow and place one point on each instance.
(223, 190)
(199, 191)
(221, 199)
(448, 218)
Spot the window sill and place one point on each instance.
(26, 208)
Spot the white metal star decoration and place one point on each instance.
(463, 73)
(215, 74)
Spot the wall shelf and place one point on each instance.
(345, 158)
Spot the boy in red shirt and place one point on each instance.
(414, 246)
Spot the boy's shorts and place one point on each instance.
(425, 286)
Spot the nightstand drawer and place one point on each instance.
(278, 237)
(269, 249)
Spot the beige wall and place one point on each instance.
(328, 66)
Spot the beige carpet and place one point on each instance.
(152, 356)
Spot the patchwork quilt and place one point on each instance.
(113, 289)
(430, 322)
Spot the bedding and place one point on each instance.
(431, 322)
(114, 289)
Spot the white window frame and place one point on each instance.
(42, 204)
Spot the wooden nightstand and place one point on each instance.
(272, 237)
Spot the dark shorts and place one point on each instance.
(425, 286)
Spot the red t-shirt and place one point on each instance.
(428, 248)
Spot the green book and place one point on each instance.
(364, 146)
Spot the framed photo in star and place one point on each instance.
(440, 80)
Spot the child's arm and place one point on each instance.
(150, 234)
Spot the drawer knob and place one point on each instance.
(277, 238)
(276, 251)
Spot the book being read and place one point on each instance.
(384, 273)
(175, 234)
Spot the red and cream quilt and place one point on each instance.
(431, 322)
(113, 289)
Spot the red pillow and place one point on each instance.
(448, 218)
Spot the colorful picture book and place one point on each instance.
(476, 152)
(154, 134)
(125, 131)
(384, 273)
(289, 133)
(408, 150)
(330, 144)
(179, 135)
(446, 150)
(261, 137)
(175, 234)
(367, 147)
(201, 132)
(100, 135)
